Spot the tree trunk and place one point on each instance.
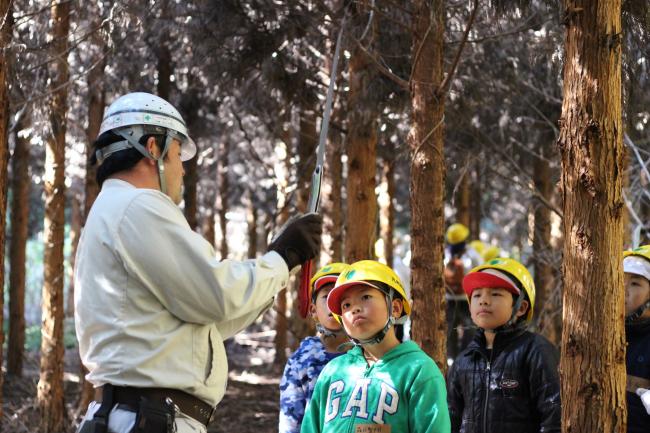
(592, 364)
(542, 251)
(190, 109)
(251, 220)
(75, 232)
(462, 201)
(334, 198)
(387, 217)
(222, 196)
(427, 181)
(20, 186)
(361, 151)
(6, 24)
(475, 203)
(50, 386)
(281, 323)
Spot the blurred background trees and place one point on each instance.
(250, 79)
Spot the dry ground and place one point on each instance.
(250, 404)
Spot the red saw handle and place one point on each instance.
(303, 292)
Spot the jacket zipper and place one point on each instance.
(487, 394)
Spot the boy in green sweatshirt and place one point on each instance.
(381, 385)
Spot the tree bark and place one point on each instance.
(387, 218)
(334, 225)
(427, 181)
(75, 232)
(462, 201)
(475, 203)
(222, 196)
(251, 220)
(6, 24)
(50, 386)
(20, 186)
(190, 109)
(592, 364)
(542, 251)
(361, 151)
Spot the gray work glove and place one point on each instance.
(299, 239)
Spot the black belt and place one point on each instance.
(188, 404)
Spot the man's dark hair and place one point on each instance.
(122, 160)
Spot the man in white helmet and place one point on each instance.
(152, 304)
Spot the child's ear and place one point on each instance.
(312, 311)
(398, 308)
(523, 308)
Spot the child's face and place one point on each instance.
(491, 308)
(364, 311)
(319, 310)
(637, 292)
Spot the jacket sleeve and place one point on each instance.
(312, 421)
(179, 267)
(292, 399)
(544, 381)
(455, 399)
(428, 411)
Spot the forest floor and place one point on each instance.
(249, 406)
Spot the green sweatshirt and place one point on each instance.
(404, 389)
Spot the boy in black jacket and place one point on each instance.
(506, 380)
(636, 265)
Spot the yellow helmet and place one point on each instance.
(642, 251)
(457, 233)
(481, 277)
(478, 246)
(365, 272)
(491, 253)
(326, 274)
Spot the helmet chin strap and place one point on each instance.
(129, 135)
(512, 322)
(327, 332)
(636, 314)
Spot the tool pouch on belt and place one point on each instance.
(154, 417)
(99, 422)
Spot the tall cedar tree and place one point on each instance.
(593, 344)
(6, 23)
(50, 384)
(361, 149)
(20, 186)
(428, 180)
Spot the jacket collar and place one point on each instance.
(502, 340)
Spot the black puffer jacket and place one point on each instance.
(522, 394)
(638, 365)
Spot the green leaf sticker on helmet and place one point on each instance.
(350, 274)
(326, 269)
(495, 262)
(147, 117)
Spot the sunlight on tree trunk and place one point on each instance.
(593, 343)
(427, 182)
(387, 206)
(50, 385)
(20, 186)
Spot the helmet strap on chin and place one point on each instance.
(327, 332)
(636, 314)
(512, 322)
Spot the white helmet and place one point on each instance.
(135, 114)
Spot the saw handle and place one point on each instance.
(306, 271)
